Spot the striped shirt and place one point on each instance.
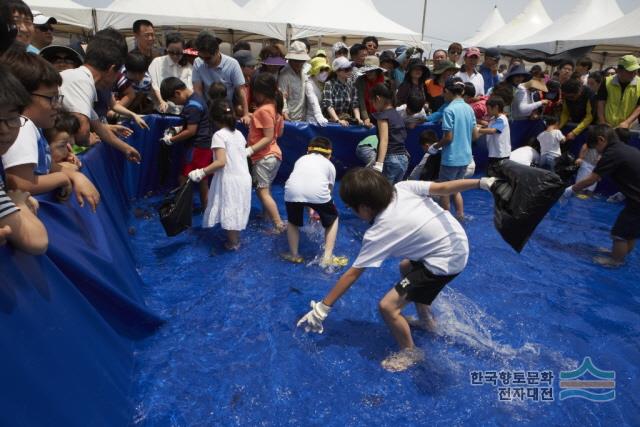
(7, 207)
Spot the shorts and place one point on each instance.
(326, 211)
(264, 171)
(627, 226)
(420, 285)
(451, 173)
(395, 166)
(196, 158)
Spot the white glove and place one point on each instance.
(486, 183)
(378, 166)
(249, 151)
(322, 121)
(432, 150)
(313, 319)
(166, 139)
(568, 193)
(196, 175)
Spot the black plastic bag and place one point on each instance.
(566, 167)
(523, 195)
(176, 210)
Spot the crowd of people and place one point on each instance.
(56, 101)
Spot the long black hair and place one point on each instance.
(220, 112)
(266, 85)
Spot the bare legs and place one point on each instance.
(458, 203)
(620, 249)
(270, 208)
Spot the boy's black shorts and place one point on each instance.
(326, 211)
(420, 285)
(627, 225)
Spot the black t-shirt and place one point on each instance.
(622, 163)
(603, 93)
(397, 131)
(195, 111)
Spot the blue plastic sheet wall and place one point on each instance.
(69, 319)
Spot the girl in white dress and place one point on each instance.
(229, 199)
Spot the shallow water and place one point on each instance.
(230, 354)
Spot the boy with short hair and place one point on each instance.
(413, 112)
(622, 163)
(196, 132)
(310, 185)
(406, 223)
(498, 135)
(429, 166)
(18, 222)
(459, 129)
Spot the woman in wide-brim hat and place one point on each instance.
(369, 75)
(318, 74)
(414, 82)
(434, 87)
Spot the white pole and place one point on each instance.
(424, 17)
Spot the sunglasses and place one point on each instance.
(44, 28)
(455, 52)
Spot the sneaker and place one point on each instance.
(335, 261)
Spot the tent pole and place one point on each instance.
(94, 18)
(288, 36)
(424, 17)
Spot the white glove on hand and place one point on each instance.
(312, 321)
(433, 150)
(378, 166)
(568, 193)
(486, 183)
(196, 175)
(166, 139)
(322, 121)
(249, 151)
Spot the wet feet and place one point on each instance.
(403, 360)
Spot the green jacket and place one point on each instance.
(620, 105)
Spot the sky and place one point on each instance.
(457, 20)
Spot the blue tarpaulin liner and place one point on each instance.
(70, 318)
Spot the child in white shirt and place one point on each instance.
(405, 223)
(498, 134)
(413, 112)
(550, 141)
(310, 185)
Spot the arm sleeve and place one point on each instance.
(195, 71)
(218, 141)
(602, 92)
(588, 118)
(24, 150)
(237, 78)
(78, 98)
(327, 100)
(498, 125)
(447, 120)
(564, 116)
(522, 104)
(606, 165)
(415, 173)
(7, 207)
(154, 72)
(332, 173)
(420, 188)
(312, 99)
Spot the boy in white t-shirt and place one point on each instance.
(550, 141)
(498, 134)
(407, 223)
(310, 185)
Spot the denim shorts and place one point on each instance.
(265, 171)
(451, 173)
(395, 166)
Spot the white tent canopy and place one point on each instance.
(65, 11)
(355, 18)
(532, 19)
(586, 14)
(224, 14)
(491, 24)
(624, 31)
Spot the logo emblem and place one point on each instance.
(572, 386)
